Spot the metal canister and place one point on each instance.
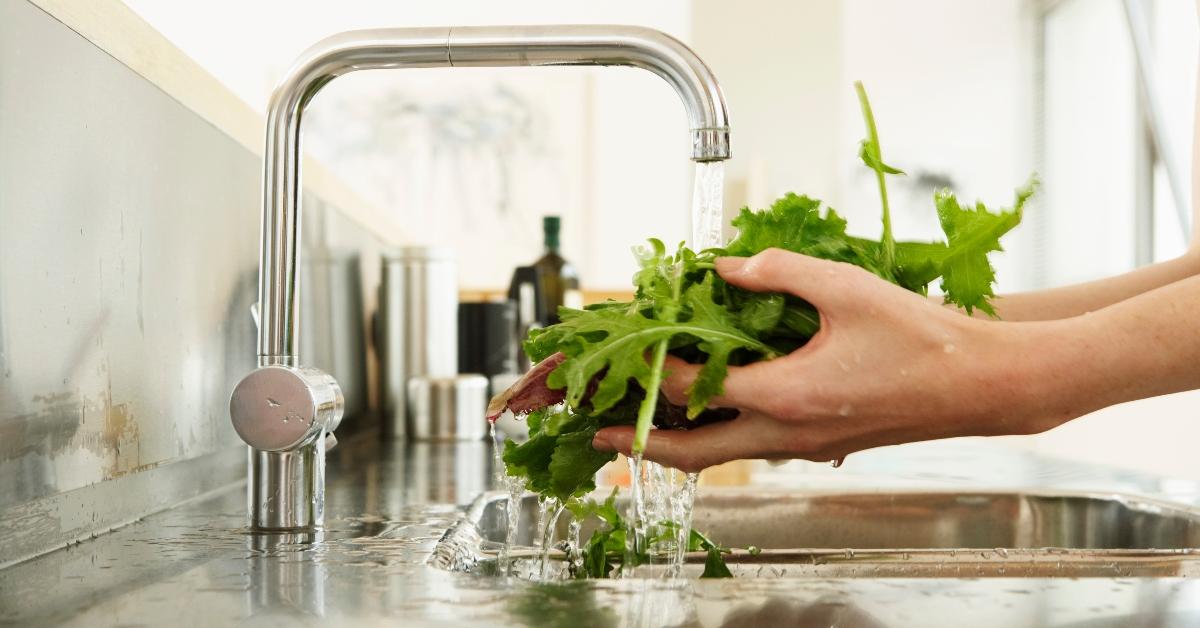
(417, 326)
(447, 408)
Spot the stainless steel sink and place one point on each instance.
(898, 534)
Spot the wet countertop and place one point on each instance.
(387, 505)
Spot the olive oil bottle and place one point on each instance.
(559, 279)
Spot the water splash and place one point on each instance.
(574, 554)
(556, 509)
(656, 494)
(635, 535)
(515, 488)
(682, 503)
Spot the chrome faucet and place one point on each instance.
(287, 413)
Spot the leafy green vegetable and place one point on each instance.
(558, 459)
(967, 275)
(615, 351)
(871, 154)
(714, 565)
(606, 549)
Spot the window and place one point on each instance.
(1110, 135)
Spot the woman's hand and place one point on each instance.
(886, 367)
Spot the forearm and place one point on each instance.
(1079, 299)
(1141, 347)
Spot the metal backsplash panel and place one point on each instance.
(128, 264)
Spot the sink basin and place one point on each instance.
(895, 534)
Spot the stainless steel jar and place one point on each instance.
(447, 408)
(417, 325)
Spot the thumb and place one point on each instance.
(820, 282)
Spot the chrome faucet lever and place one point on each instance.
(285, 412)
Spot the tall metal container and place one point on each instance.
(331, 306)
(418, 325)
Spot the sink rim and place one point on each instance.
(1123, 562)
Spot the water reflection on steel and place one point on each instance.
(199, 565)
(286, 586)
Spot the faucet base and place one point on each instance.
(287, 488)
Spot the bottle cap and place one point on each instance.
(550, 227)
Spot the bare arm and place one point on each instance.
(1079, 299)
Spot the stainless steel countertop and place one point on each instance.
(388, 504)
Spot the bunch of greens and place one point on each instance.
(607, 547)
(682, 307)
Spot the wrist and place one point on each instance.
(1043, 373)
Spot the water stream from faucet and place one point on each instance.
(656, 495)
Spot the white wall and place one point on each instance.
(951, 83)
(780, 65)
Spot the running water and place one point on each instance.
(635, 534)
(555, 508)
(516, 489)
(655, 494)
(574, 555)
(682, 503)
(708, 194)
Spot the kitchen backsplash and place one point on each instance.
(129, 228)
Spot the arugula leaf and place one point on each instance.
(967, 275)
(608, 345)
(574, 464)
(558, 459)
(606, 548)
(606, 511)
(714, 565)
(794, 223)
(870, 152)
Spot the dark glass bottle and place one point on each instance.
(560, 280)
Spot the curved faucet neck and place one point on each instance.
(393, 48)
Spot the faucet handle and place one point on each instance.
(280, 408)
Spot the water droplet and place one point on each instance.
(1002, 552)
(949, 347)
(845, 410)
(271, 402)
(837, 462)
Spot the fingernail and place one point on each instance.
(601, 444)
(730, 265)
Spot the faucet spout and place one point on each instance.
(393, 48)
(477, 46)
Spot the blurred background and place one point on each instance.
(974, 95)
